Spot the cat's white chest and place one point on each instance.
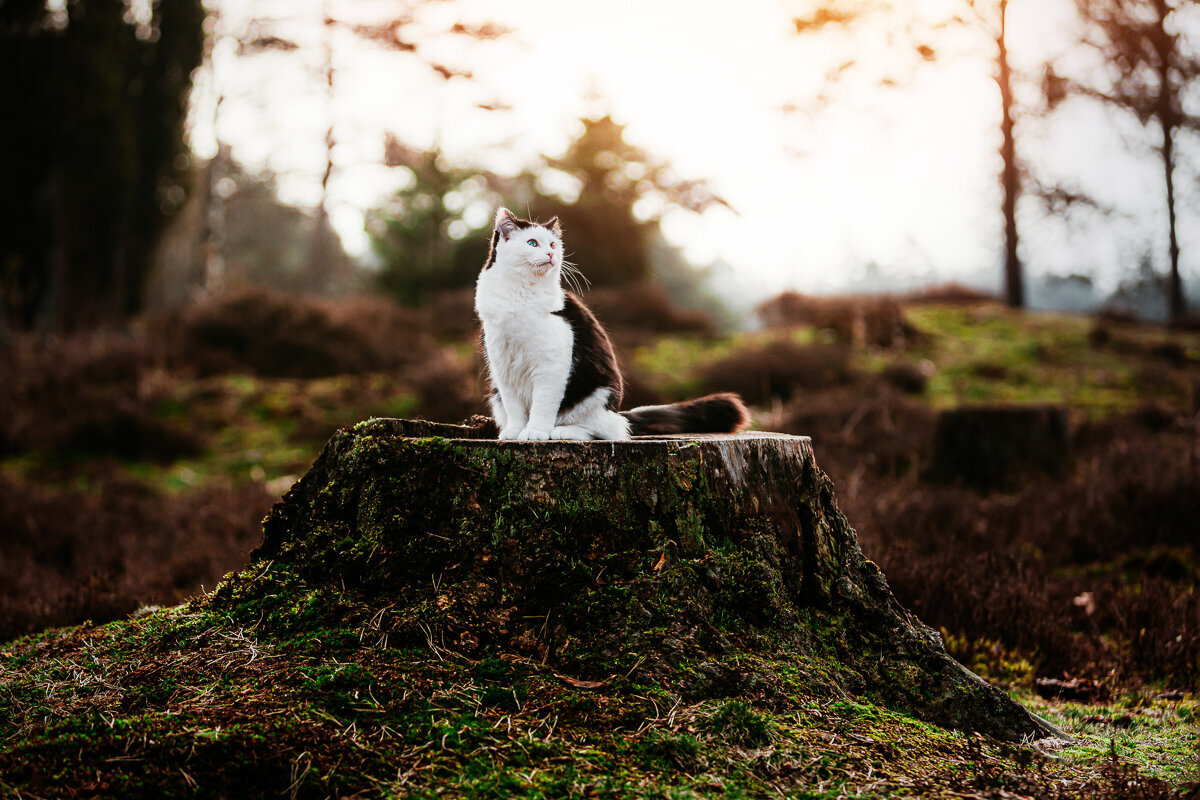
(522, 336)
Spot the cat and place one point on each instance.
(552, 368)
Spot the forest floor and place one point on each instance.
(1085, 580)
(183, 701)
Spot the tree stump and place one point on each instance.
(995, 447)
(710, 565)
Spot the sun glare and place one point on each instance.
(904, 179)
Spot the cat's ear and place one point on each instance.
(554, 226)
(506, 223)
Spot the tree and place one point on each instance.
(94, 155)
(389, 32)
(1149, 66)
(623, 193)
(426, 240)
(421, 234)
(922, 40)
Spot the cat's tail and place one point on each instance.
(714, 413)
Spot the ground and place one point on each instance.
(184, 702)
(165, 698)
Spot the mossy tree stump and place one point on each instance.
(714, 566)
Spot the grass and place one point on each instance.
(673, 364)
(257, 430)
(1157, 734)
(183, 702)
(992, 354)
(979, 354)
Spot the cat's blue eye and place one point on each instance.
(532, 243)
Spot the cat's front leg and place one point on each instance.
(548, 387)
(509, 413)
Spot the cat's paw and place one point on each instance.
(510, 433)
(532, 434)
(571, 432)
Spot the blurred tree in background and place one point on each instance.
(1149, 65)
(616, 194)
(95, 94)
(389, 29)
(421, 234)
(925, 41)
(266, 240)
(623, 193)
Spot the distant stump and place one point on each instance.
(996, 447)
(713, 566)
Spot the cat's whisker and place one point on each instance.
(571, 281)
(573, 276)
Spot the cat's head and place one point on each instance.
(533, 248)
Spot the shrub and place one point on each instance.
(853, 320)
(1091, 574)
(447, 390)
(451, 315)
(69, 556)
(636, 311)
(778, 370)
(95, 394)
(948, 294)
(862, 428)
(286, 336)
(908, 378)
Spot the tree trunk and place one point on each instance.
(318, 263)
(1169, 115)
(1176, 307)
(711, 564)
(1014, 286)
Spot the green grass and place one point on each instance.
(255, 430)
(1161, 737)
(991, 354)
(673, 364)
(980, 355)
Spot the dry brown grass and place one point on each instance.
(877, 321)
(67, 556)
(1090, 574)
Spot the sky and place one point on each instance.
(903, 180)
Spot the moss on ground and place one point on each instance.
(199, 701)
(1159, 734)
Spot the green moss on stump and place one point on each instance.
(711, 566)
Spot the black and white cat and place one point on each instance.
(553, 371)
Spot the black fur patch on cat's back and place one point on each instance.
(593, 361)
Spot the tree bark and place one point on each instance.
(719, 562)
(1014, 284)
(317, 264)
(1176, 308)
